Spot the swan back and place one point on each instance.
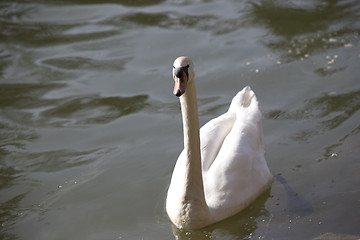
(235, 171)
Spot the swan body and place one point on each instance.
(222, 168)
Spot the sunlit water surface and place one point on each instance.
(90, 130)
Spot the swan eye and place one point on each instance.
(186, 70)
(179, 72)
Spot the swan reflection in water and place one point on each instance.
(241, 225)
(245, 223)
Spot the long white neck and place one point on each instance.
(193, 196)
(191, 128)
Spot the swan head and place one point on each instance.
(183, 74)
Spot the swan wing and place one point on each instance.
(212, 136)
(239, 172)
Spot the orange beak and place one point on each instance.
(180, 85)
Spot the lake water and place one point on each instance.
(90, 130)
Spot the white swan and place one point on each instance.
(222, 169)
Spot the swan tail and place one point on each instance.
(245, 104)
(248, 114)
(242, 99)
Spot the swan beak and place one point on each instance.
(180, 85)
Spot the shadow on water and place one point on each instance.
(239, 226)
(296, 204)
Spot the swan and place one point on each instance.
(222, 168)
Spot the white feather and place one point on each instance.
(226, 171)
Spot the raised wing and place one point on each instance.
(239, 173)
(212, 136)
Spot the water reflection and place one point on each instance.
(241, 226)
(25, 96)
(42, 31)
(289, 20)
(86, 109)
(333, 109)
(330, 151)
(59, 160)
(304, 30)
(54, 56)
(85, 63)
(8, 215)
(14, 137)
(8, 175)
(132, 3)
(94, 109)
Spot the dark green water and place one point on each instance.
(90, 130)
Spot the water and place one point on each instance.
(90, 130)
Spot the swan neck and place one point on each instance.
(194, 188)
(191, 127)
